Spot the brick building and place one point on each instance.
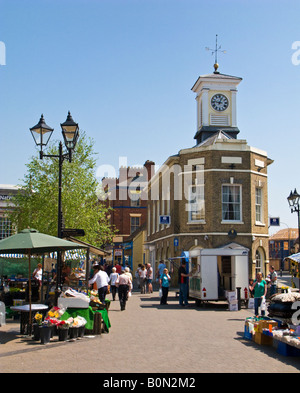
(215, 193)
(281, 245)
(7, 191)
(128, 201)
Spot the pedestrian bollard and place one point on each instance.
(238, 290)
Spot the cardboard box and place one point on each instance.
(233, 306)
(72, 302)
(265, 325)
(251, 302)
(18, 302)
(262, 339)
(231, 295)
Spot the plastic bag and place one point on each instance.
(160, 292)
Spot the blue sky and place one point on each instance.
(125, 68)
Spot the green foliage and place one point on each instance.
(36, 206)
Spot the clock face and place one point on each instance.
(219, 102)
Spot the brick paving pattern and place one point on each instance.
(147, 337)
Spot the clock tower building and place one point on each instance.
(216, 104)
(215, 192)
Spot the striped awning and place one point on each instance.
(71, 254)
(294, 257)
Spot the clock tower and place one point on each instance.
(216, 104)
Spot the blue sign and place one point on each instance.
(165, 220)
(176, 242)
(275, 221)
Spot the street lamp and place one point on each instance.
(294, 203)
(41, 133)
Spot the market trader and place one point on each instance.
(183, 286)
(101, 279)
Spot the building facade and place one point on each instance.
(214, 194)
(281, 245)
(7, 191)
(128, 203)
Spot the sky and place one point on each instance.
(125, 69)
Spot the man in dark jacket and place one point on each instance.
(183, 286)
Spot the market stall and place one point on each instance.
(294, 260)
(281, 328)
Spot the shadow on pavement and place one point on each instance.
(269, 350)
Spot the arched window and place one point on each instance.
(259, 259)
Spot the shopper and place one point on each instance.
(149, 278)
(164, 282)
(160, 269)
(113, 279)
(183, 285)
(127, 272)
(273, 280)
(123, 287)
(260, 290)
(101, 279)
(137, 275)
(143, 279)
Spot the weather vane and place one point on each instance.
(215, 52)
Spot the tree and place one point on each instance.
(36, 205)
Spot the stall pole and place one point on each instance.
(87, 268)
(29, 295)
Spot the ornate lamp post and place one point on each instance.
(41, 133)
(294, 203)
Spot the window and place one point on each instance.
(5, 227)
(258, 205)
(258, 262)
(153, 217)
(231, 203)
(196, 205)
(157, 215)
(135, 200)
(134, 223)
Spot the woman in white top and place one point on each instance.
(113, 278)
(38, 273)
(143, 278)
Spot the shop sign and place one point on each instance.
(165, 220)
(5, 197)
(275, 221)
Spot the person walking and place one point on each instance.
(113, 279)
(127, 272)
(143, 279)
(137, 275)
(183, 285)
(149, 278)
(164, 282)
(260, 291)
(101, 279)
(123, 287)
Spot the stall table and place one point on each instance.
(24, 311)
(90, 316)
